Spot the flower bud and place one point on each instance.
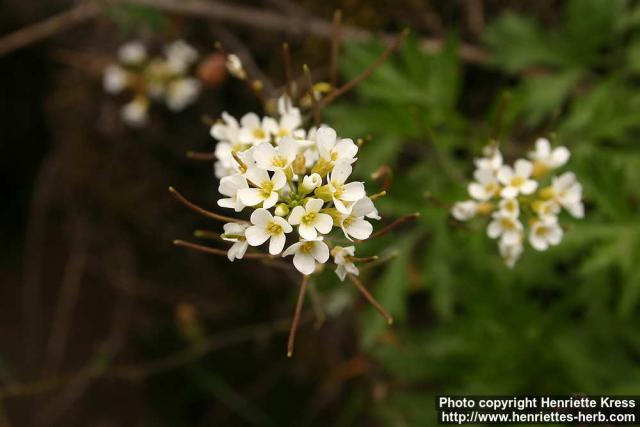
(299, 165)
(282, 209)
(310, 183)
(323, 193)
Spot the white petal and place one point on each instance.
(560, 156)
(346, 149)
(494, 229)
(509, 192)
(250, 120)
(353, 191)
(276, 244)
(477, 191)
(278, 179)
(292, 249)
(257, 176)
(270, 201)
(538, 243)
(362, 207)
(326, 139)
(250, 196)
(304, 263)
(313, 205)
(523, 168)
(261, 217)
(505, 173)
(341, 171)
(320, 252)
(296, 215)
(359, 229)
(307, 232)
(324, 223)
(256, 235)
(529, 186)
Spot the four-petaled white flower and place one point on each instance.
(267, 188)
(486, 185)
(306, 253)
(506, 226)
(509, 207)
(273, 158)
(181, 93)
(516, 180)
(544, 233)
(229, 186)
(545, 158)
(253, 130)
(332, 149)
(510, 253)
(344, 194)
(235, 232)
(268, 227)
(353, 224)
(464, 211)
(310, 220)
(567, 191)
(343, 260)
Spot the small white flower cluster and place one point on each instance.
(163, 78)
(291, 179)
(522, 194)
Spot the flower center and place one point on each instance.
(279, 161)
(510, 206)
(282, 132)
(338, 189)
(266, 188)
(517, 181)
(542, 231)
(348, 221)
(491, 188)
(307, 247)
(259, 133)
(507, 224)
(309, 218)
(274, 228)
(334, 156)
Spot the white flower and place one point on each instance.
(516, 180)
(285, 107)
(545, 158)
(509, 207)
(309, 219)
(341, 193)
(332, 149)
(567, 191)
(235, 232)
(486, 185)
(267, 191)
(353, 224)
(253, 130)
(546, 208)
(135, 113)
(235, 68)
(510, 252)
(115, 79)
(342, 258)
(506, 226)
(306, 253)
(229, 186)
(492, 159)
(463, 211)
(266, 226)
(276, 158)
(226, 129)
(181, 93)
(544, 233)
(180, 56)
(132, 53)
(310, 183)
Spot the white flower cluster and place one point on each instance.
(162, 78)
(296, 183)
(522, 196)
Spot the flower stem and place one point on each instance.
(296, 316)
(179, 197)
(393, 225)
(216, 251)
(371, 299)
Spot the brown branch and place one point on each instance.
(273, 21)
(179, 197)
(195, 155)
(296, 316)
(371, 299)
(366, 73)
(386, 173)
(335, 47)
(393, 225)
(50, 26)
(216, 251)
(314, 102)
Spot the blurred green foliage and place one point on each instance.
(561, 321)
